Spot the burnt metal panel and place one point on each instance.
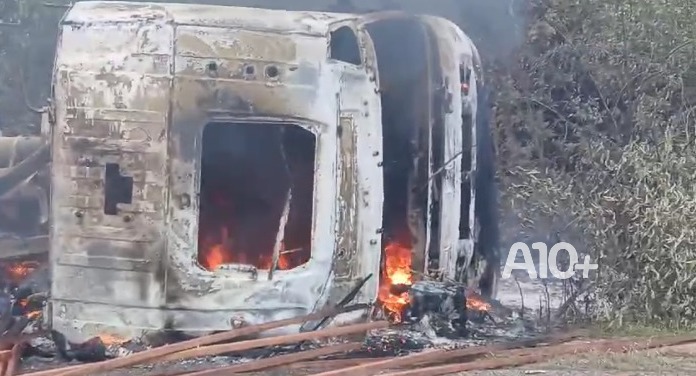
(346, 242)
(453, 49)
(213, 83)
(112, 83)
(135, 83)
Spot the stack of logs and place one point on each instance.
(423, 363)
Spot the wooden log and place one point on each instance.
(13, 341)
(5, 356)
(159, 352)
(519, 358)
(275, 341)
(332, 363)
(434, 356)
(367, 369)
(15, 359)
(279, 360)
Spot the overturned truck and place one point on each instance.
(220, 166)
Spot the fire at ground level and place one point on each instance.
(431, 330)
(257, 179)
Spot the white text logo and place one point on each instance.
(547, 261)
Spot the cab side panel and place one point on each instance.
(112, 84)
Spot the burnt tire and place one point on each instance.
(486, 249)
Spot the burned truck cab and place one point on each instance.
(216, 166)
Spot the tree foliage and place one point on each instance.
(596, 130)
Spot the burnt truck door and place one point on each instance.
(426, 138)
(457, 62)
(412, 126)
(359, 177)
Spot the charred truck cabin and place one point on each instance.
(216, 166)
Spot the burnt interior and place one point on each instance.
(344, 46)
(403, 60)
(256, 186)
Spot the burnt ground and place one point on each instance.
(679, 360)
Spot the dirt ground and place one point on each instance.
(680, 360)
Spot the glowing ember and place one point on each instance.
(475, 302)
(218, 252)
(111, 340)
(16, 272)
(396, 271)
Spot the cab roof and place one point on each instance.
(282, 21)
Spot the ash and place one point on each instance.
(437, 307)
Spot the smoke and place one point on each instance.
(497, 27)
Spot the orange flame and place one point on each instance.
(216, 253)
(111, 340)
(396, 271)
(475, 302)
(16, 272)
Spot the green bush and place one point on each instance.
(595, 130)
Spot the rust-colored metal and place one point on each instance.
(280, 360)
(160, 352)
(274, 341)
